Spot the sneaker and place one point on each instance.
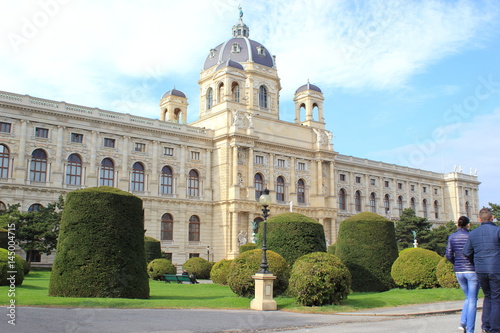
(461, 329)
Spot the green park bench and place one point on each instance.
(178, 278)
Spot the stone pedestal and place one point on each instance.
(263, 300)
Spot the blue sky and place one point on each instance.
(414, 83)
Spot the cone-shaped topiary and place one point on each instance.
(19, 268)
(199, 267)
(293, 235)
(158, 267)
(446, 275)
(100, 251)
(220, 271)
(319, 279)
(248, 263)
(366, 244)
(415, 268)
(152, 248)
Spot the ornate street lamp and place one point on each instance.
(265, 201)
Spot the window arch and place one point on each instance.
(467, 209)
(373, 207)
(167, 227)
(436, 209)
(35, 207)
(107, 172)
(193, 184)
(357, 201)
(342, 199)
(167, 183)
(3, 207)
(235, 92)
(387, 204)
(280, 189)
(38, 166)
(400, 205)
(74, 170)
(209, 98)
(137, 179)
(263, 96)
(424, 207)
(194, 229)
(301, 191)
(413, 205)
(258, 182)
(4, 161)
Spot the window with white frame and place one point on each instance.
(259, 159)
(140, 147)
(281, 163)
(167, 151)
(195, 155)
(5, 127)
(301, 166)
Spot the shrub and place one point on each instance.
(26, 266)
(293, 235)
(220, 271)
(248, 263)
(415, 268)
(332, 248)
(247, 247)
(366, 244)
(158, 267)
(152, 248)
(445, 274)
(319, 279)
(5, 267)
(100, 251)
(199, 267)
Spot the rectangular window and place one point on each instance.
(41, 132)
(435, 191)
(110, 143)
(5, 127)
(194, 255)
(259, 159)
(76, 137)
(140, 147)
(168, 151)
(372, 181)
(342, 177)
(281, 163)
(358, 180)
(400, 186)
(195, 155)
(386, 183)
(412, 187)
(302, 166)
(466, 192)
(424, 189)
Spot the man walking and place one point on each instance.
(483, 250)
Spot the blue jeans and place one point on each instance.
(490, 283)
(470, 286)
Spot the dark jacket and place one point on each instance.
(483, 247)
(454, 247)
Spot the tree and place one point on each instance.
(408, 222)
(439, 237)
(495, 209)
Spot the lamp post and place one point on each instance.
(265, 201)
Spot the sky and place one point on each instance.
(414, 83)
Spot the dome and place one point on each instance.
(173, 92)
(308, 86)
(230, 63)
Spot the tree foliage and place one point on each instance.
(495, 209)
(408, 222)
(438, 237)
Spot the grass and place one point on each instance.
(34, 292)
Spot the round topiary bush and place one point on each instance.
(247, 247)
(293, 235)
(152, 248)
(5, 268)
(319, 279)
(100, 250)
(415, 268)
(199, 267)
(158, 267)
(446, 275)
(366, 244)
(220, 271)
(248, 263)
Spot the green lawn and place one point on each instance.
(34, 292)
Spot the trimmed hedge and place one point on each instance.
(319, 279)
(293, 235)
(248, 263)
(366, 244)
(158, 267)
(332, 248)
(100, 251)
(4, 241)
(415, 268)
(4, 268)
(247, 247)
(199, 267)
(446, 275)
(152, 248)
(220, 271)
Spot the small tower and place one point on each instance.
(173, 107)
(310, 98)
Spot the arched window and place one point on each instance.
(193, 184)
(301, 191)
(166, 186)
(424, 207)
(436, 209)
(467, 209)
(258, 182)
(400, 205)
(209, 98)
(107, 172)
(4, 161)
(413, 205)
(194, 229)
(220, 94)
(74, 170)
(280, 189)
(35, 207)
(387, 204)
(3, 207)
(38, 166)
(263, 96)
(235, 92)
(137, 179)
(357, 201)
(373, 207)
(342, 203)
(167, 227)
